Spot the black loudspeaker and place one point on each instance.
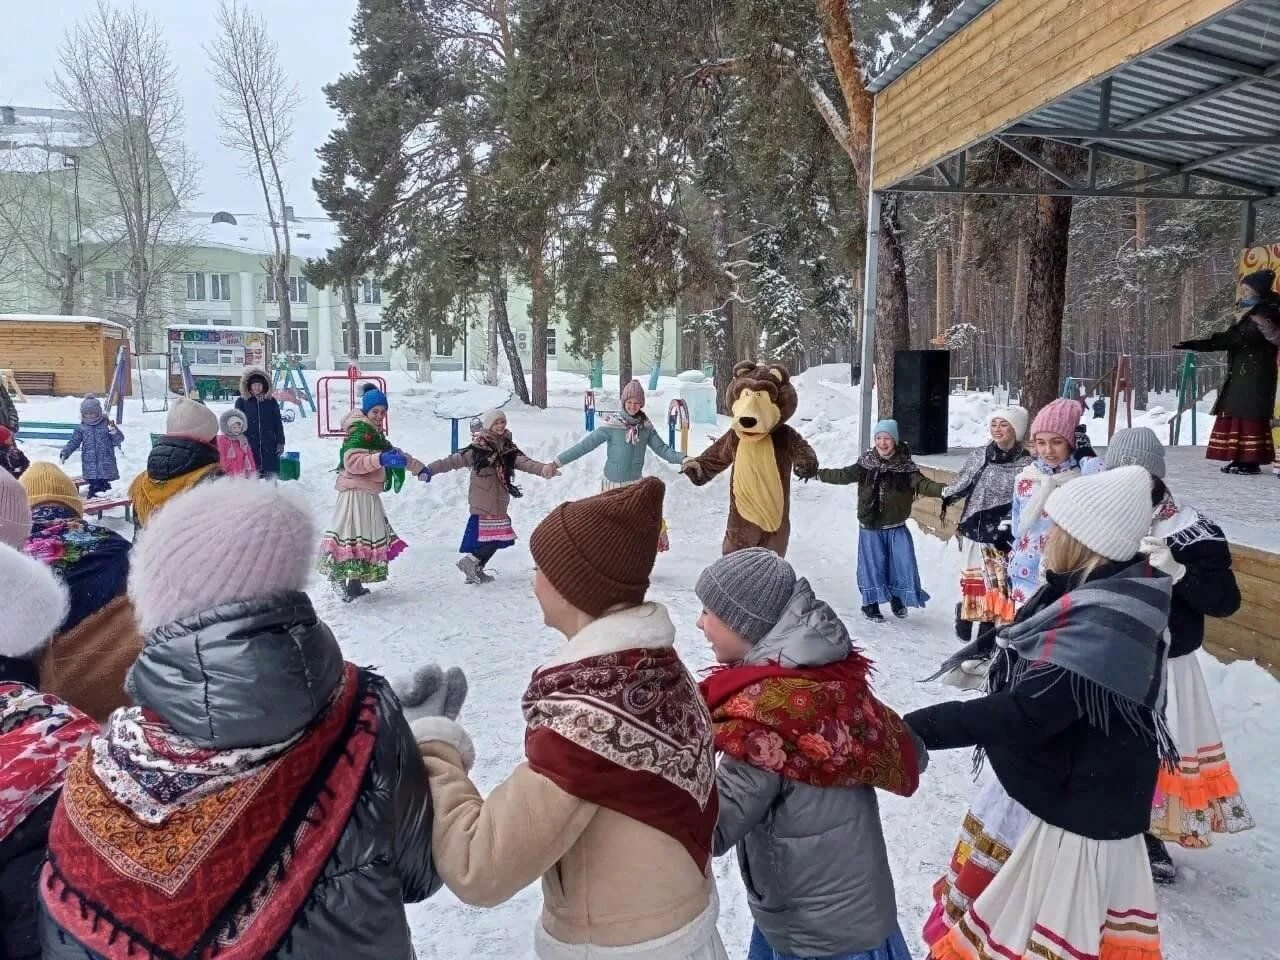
(921, 387)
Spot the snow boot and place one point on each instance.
(898, 607)
(964, 628)
(484, 575)
(1244, 469)
(1162, 868)
(470, 568)
(872, 612)
(354, 589)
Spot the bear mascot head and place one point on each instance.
(760, 397)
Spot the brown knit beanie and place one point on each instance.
(599, 552)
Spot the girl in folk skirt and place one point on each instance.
(985, 483)
(626, 439)
(888, 481)
(1201, 797)
(360, 544)
(1051, 864)
(493, 459)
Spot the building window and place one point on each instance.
(444, 344)
(219, 286)
(297, 290)
(116, 289)
(298, 333)
(346, 340)
(369, 291)
(195, 286)
(373, 339)
(551, 341)
(522, 341)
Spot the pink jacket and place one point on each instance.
(236, 456)
(360, 468)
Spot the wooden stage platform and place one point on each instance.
(1247, 509)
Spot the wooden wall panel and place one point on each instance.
(72, 352)
(1015, 57)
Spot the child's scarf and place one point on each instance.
(500, 453)
(363, 435)
(896, 470)
(633, 425)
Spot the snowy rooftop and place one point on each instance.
(251, 233)
(56, 318)
(41, 127)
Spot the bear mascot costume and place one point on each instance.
(763, 451)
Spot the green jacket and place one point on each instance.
(624, 462)
(900, 492)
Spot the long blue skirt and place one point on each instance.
(887, 567)
(895, 948)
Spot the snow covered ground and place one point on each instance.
(1224, 902)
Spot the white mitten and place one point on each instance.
(1161, 557)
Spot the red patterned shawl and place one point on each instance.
(628, 731)
(822, 726)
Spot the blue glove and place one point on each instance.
(425, 474)
(393, 458)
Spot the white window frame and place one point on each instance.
(369, 291)
(297, 290)
(443, 340)
(372, 338)
(299, 331)
(195, 286)
(552, 341)
(114, 282)
(522, 341)
(220, 287)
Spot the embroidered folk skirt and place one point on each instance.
(1241, 441)
(487, 531)
(887, 567)
(984, 585)
(1051, 895)
(1202, 797)
(664, 542)
(359, 544)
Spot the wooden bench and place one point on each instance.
(46, 430)
(35, 382)
(100, 505)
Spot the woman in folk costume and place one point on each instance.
(264, 798)
(39, 737)
(493, 459)
(1051, 864)
(1201, 797)
(234, 452)
(1242, 433)
(889, 482)
(98, 640)
(1056, 462)
(806, 744)
(615, 804)
(626, 439)
(185, 456)
(985, 483)
(359, 545)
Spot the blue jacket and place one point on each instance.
(624, 461)
(97, 445)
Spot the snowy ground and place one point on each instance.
(1225, 898)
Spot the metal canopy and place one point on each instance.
(1202, 112)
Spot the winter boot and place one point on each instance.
(470, 568)
(898, 607)
(872, 612)
(964, 628)
(484, 575)
(354, 589)
(1245, 469)
(1162, 868)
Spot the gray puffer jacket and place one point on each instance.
(255, 673)
(813, 858)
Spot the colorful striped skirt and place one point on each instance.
(359, 544)
(1020, 889)
(487, 531)
(1202, 797)
(984, 585)
(1241, 441)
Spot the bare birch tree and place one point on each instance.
(115, 73)
(256, 105)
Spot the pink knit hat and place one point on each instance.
(1059, 418)
(228, 540)
(15, 511)
(632, 391)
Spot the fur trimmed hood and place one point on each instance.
(248, 375)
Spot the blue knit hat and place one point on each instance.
(373, 397)
(886, 426)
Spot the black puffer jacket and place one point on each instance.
(253, 673)
(174, 456)
(264, 426)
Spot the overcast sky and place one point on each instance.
(315, 46)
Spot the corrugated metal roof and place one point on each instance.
(947, 27)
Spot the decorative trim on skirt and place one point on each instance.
(1241, 441)
(887, 567)
(1054, 896)
(1202, 797)
(984, 585)
(664, 541)
(359, 544)
(487, 531)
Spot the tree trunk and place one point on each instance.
(722, 346)
(281, 272)
(352, 322)
(67, 287)
(892, 329)
(1141, 342)
(942, 313)
(962, 267)
(491, 347)
(539, 312)
(424, 355)
(498, 307)
(625, 325)
(1022, 358)
(1046, 297)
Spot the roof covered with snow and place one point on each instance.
(41, 127)
(56, 318)
(251, 233)
(947, 27)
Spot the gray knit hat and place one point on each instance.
(748, 590)
(1136, 447)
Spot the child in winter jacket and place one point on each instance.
(264, 425)
(39, 737)
(615, 806)
(295, 816)
(888, 481)
(12, 460)
(493, 459)
(805, 744)
(234, 452)
(96, 438)
(187, 455)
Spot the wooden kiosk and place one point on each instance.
(61, 356)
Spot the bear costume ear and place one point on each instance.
(779, 373)
(743, 367)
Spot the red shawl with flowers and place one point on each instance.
(628, 731)
(821, 726)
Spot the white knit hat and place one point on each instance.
(1108, 512)
(191, 419)
(1018, 418)
(33, 603)
(490, 417)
